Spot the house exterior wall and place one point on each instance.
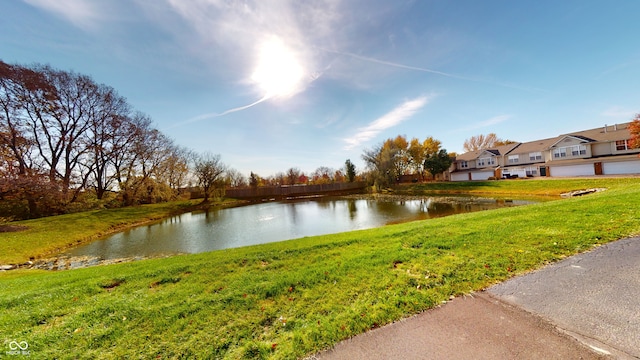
(623, 150)
(570, 148)
(602, 149)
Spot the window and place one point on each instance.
(513, 159)
(578, 150)
(464, 165)
(575, 150)
(622, 145)
(486, 161)
(560, 152)
(535, 156)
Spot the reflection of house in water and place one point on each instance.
(600, 151)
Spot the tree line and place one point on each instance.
(395, 157)
(69, 144)
(62, 135)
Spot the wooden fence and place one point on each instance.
(287, 191)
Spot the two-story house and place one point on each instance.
(600, 151)
(480, 165)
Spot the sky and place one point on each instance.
(275, 84)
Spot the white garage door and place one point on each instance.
(460, 176)
(485, 175)
(626, 167)
(573, 170)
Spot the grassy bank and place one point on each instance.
(290, 299)
(537, 187)
(46, 236)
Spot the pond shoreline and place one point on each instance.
(501, 192)
(267, 222)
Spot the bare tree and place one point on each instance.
(105, 131)
(235, 178)
(481, 142)
(323, 175)
(208, 169)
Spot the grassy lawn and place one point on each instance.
(293, 298)
(536, 187)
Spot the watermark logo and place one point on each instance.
(18, 348)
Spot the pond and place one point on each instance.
(276, 221)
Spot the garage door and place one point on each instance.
(460, 176)
(626, 167)
(573, 170)
(485, 175)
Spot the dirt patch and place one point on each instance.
(12, 228)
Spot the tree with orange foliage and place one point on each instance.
(634, 129)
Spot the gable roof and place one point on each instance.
(563, 137)
(605, 133)
(533, 146)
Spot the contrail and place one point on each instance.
(215, 115)
(313, 77)
(402, 66)
(454, 76)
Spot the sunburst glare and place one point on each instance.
(278, 72)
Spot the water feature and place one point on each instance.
(276, 221)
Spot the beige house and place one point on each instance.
(600, 151)
(480, 165)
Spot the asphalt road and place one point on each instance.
(584, 307)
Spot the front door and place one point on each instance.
(598, 168)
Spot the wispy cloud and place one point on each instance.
(83, 14)
(619, 113)
(487, 123)
(401, 113)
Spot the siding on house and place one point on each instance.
(600, 151)
(481, 164)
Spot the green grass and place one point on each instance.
(535, 187)
(46, 236)
(294, 298)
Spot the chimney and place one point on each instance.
(605, 128)
(615, 127)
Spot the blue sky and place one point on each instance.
(274, 84)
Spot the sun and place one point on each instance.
(278, 72)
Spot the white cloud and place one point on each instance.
(83, 14)
(390, 119)
(619, 113)
(487, 123)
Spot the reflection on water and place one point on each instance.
(276, 221)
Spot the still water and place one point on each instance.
(276, 221)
